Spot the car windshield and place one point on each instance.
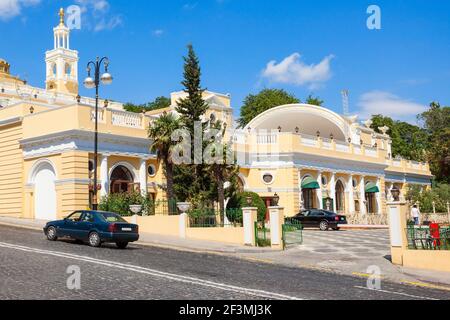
(112, 217)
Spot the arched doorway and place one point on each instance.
(122, 180)
(44, 192)
(371, 193)
(340, 197)
(309, 193)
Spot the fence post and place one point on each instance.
(276, 226)
(183, 221)
(397, 215)
(249, 218)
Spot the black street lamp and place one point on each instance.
(91, 83)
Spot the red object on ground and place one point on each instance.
(435, 234)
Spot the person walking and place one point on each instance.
(415, 213)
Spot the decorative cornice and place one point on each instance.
(84, 141)
(10, 121)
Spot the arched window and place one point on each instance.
(121, 180)
(340, 197)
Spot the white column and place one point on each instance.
(68, 42)
(249, 219)
(351, 199)
(362, 195)
(333, 190)
(182, 225)
(379, 198)
(143, 177)
(276, 226)
(104, 176)
(319, 191)
(300, 188)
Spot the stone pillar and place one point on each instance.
(362, 196)
(183, 224)
(250, 217)
(104, 176)
(397, 215)
(351, 198)
(319, 191)
(143, 176)
(276, 227)
(333, 190)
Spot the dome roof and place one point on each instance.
(307, 118)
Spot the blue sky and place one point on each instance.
(318, 47)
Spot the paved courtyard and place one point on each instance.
(355, 243)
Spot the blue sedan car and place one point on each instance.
(94, 227)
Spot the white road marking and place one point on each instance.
(155, 273)
(397, 293)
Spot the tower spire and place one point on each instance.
(61, 16)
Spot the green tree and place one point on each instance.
(224, 170)
(436, 122)
(192, 108)
(157, 104)
(408, 141)
(160, 131)
(263, 101)
(315, 101)
(201, 188)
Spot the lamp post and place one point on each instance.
(91, 83)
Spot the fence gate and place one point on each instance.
(292, 233)
(262, 235)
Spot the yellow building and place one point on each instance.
(312, 157)
(309, 156)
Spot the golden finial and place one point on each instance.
(61, 16)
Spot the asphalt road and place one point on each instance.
(33, 268)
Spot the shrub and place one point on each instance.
(120, 203)
(440, 195)
(239, 201)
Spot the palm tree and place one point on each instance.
(160, 131)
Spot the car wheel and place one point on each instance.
(324, 226)
(51, 234)
(94, 240)
(121, 245)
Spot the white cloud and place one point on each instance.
(158, 33)
(388, 104)
(292, 70)
(12, 8)
(96, 15)
(108, 24)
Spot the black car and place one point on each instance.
(94, 227)
(322, 219)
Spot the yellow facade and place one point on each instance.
(47, 149)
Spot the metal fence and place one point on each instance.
(211, 218)
(262, 235)
(163, 207)
(428, 238)
(292, 233)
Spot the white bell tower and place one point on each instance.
(62, 62)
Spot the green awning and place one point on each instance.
(310, 183)
(372, 188)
